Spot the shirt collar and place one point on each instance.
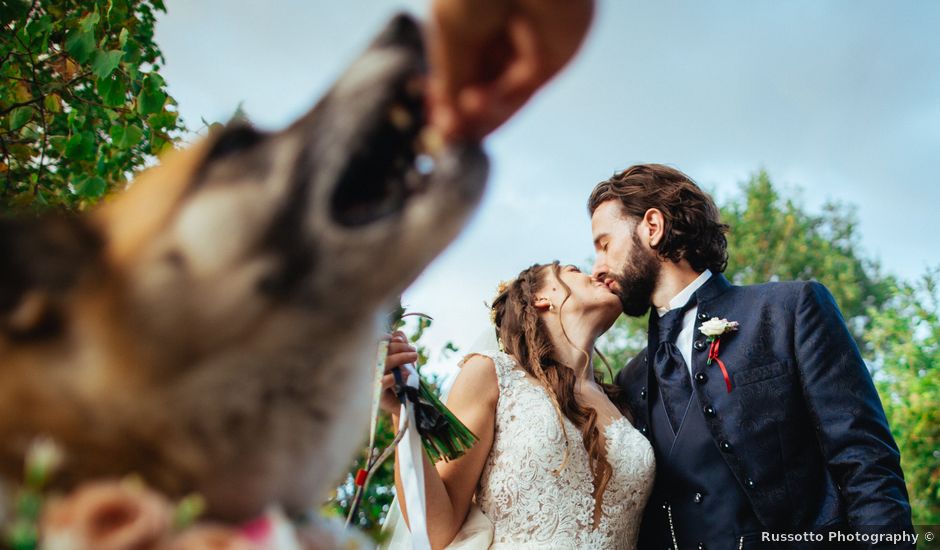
(683, 297)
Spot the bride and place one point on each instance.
(558, 464)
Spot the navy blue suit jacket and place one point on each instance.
(803, 429)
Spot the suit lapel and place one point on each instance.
(711, 304)
(714, 287)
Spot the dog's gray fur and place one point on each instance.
(215, 329)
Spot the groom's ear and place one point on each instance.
(652, 227)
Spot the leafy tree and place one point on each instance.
(906, 339)
(773, 238)
(82, 104)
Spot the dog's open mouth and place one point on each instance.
(392, 163)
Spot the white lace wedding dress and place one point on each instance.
(532, 507)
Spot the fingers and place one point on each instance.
(471, 108)
(461, 36)
(389, 401)
(397, 336)
(395, 360)
(460, 33)
(488, 61)
(388, 380)
(400, 352)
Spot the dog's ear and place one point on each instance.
(43, 260)
(236, 136)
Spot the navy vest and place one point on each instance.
(709, 509)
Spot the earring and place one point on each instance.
(551, 307)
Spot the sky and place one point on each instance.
(837, 100)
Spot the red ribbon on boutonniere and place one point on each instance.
(714, 328)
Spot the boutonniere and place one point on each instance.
(714, 329)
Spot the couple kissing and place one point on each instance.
(749, 421)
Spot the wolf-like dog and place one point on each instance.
(213, 328)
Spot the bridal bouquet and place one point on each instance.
(443, 436)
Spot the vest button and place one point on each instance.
(750, 483)
(697, 499)
(699, 345)
(702, 316)
(644, 430)
(665, 506)
(643, 393)
(701, 377)
(701, 546)
(725, 446)
(709, 411)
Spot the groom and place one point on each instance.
(780, 438)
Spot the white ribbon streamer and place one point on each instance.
(411, 464)
(377, 375)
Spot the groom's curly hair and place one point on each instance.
(693, 228)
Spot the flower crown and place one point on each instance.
(501, 288)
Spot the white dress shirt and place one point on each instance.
(684, 340)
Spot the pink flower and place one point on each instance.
(107, 515)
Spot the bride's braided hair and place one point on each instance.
(523, 335)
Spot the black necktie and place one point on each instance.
(671, 370)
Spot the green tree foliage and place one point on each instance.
(82, 104)
(906, 338)
(773, 238)
(379, 494)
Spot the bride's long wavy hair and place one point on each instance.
(524, 335)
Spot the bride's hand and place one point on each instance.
(400, 352)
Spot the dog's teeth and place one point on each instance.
(430, 141)
(399, 116)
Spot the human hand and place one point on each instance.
(400, 353)
(488, 57)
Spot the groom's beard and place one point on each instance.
(637, 280)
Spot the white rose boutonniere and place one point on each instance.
(714, 328)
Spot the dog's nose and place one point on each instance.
(402, 31)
